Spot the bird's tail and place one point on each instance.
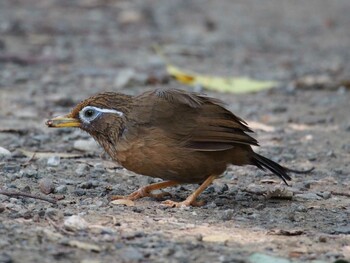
(264, 163)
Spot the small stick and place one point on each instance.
(340, 193)
(31, 159)
(18, 194)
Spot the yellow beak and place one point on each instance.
(62, 122)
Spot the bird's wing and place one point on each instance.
(198, 122)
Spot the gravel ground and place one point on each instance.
(53, 53)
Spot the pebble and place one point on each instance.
(307, 196)
(298, 208)
(75, 223)
(227, 214)
(130, 254)
(46, 186)
(79, 192)
(124, 77)
(82, 169)
(5, 258)
(61, 189)
(4, 152)
(89, 145)
(99, 167)
(10, 168)
(54, 161)
(342, 230)
(85, 185)
(346, 147)
(325, 195)
(30, 173)
(222, 188)
(52, 212)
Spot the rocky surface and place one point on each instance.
(55, 53)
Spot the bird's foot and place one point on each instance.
(142, 192)
(186, 203)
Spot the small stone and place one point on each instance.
(298, 208)
(325, 195)
(98, 167)
(227, 214)
(46, 186)
(322, 239)
(10, 168)
(2, 208)
(307, 196)
(131, 254)
(330, 154)
(53, 161)
(222, 188)
(4, 152)
(30, 173)
(27, 214)
(75, 223)
(85, 185)
(5, 258)
(79, 192)
(89, 145)
(342, 230)
(61, 189)
(82, 169)
(346, 147)
(52, 212)
(124, 78)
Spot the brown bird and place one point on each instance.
(179, 136)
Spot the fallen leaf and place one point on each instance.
(126, 202)
(221, 84)
(39, 155)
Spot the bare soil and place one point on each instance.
(54, 53)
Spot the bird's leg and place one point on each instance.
(147, 191)
(191, 200)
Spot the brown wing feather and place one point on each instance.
(201, 123)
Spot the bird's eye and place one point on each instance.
(89, 113)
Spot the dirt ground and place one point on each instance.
(53, 53)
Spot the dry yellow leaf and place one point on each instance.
(221, 84)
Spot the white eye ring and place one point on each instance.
(95, 113)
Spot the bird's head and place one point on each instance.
(102, 115)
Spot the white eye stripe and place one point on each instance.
(103, 110)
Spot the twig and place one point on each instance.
(57, 227)
(31, 159)
(340, 193)
(18, 194)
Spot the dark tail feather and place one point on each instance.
(263, 163)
